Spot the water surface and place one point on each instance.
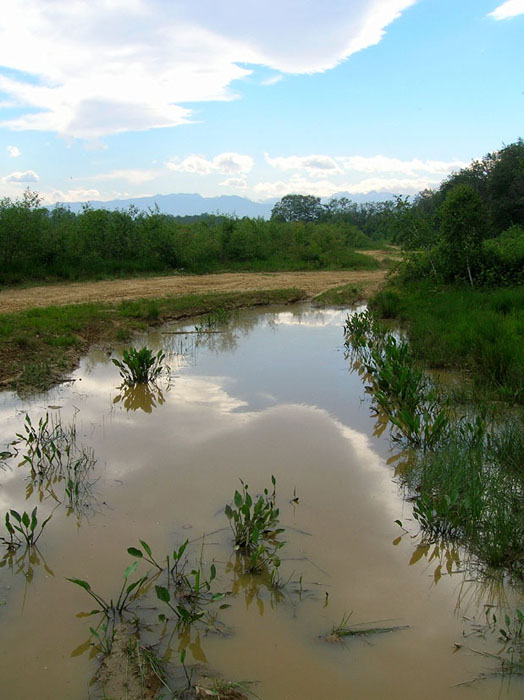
(271, 395)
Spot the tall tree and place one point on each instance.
(463, 221)
(297, 207)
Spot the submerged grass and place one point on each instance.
(38, 347)
(344, 630)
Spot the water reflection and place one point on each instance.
(140, 397)
(24, 560)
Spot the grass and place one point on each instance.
(466, 474)
(480, 331)
(218, 318)
(39, 347)
(344, 630)
(479, 501)
(346, 295)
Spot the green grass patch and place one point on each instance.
(465, 474)
(345, 295)
(38, 347)
(481, 331)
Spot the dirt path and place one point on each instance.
(312, 283)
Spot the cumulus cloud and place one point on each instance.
(384, 164)
(508, 9)
(315, 165)
(18, 177)
(237, 182)
(13, 151)
(323, 165)
(224, 163)
(101, 67)
(74, 195)
(327, 188)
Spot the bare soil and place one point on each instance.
(311, 282)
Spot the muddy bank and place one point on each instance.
(114, 291)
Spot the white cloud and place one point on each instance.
(13, 151)
(395, 185)
(224, 163)
(315, 165)
(21, 177)
(327, 188)
(233, 163)
(107, 66)
(384, 164)
(236, 182)
(195, 164)
(137, 177)
(297, 185)
(322, 165)
(508, 9)
(75, 195)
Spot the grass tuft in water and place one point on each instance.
(344, 630)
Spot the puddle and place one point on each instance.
(271, 395)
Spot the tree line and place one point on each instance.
(472, 227)
(39, 243)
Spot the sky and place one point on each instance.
(112, 99)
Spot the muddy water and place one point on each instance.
(273, 395)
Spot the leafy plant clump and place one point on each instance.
(140, 366)
(251, 519)
(255, 528)
(25, 525)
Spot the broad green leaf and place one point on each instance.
(162, 594)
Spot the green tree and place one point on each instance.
(297, 207)
(463, 222)
(506, 187)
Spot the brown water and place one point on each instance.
(273, 395)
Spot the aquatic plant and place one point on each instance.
(361, 629)
(148, 556)
(251, 519)
(192, 594)
(52, 452)
(510, 632)
(26, 525)
(401, 391)
(114, 607)
(218, 317)
(140, 366)
(480, 500)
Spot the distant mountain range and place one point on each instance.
(194, 204)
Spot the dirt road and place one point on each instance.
(312, 283)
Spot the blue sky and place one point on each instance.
(106, 99)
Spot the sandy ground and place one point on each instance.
(312, 283)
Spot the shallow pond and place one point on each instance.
(273, 395)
